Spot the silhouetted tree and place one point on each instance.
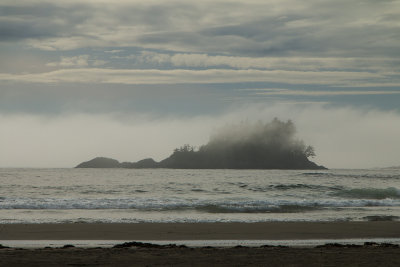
(246, 145)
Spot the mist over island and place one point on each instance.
(245, 145)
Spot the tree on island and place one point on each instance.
(245, 145)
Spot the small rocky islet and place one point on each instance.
(246, 145)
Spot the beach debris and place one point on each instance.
(371, 244)
(240, 246)
(136, 244)
(337, 245)
(389, 245)
(146, 245)
(68, 246)
(366, 244)
(272, 246)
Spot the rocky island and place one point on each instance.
(242, 146)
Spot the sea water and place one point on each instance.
(170, 195)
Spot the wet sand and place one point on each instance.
(371, 255)
(201, 231)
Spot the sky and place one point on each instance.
(136, 79)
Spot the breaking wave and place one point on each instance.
(304, 186)
(351, 175)
(230, 206)
(370, 193)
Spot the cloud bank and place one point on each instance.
(180, 76)
(342, 137)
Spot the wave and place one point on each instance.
(304, 186)
(337, 191)
(284, 187)
(351, 175)
(256, 209)
(375, 218)
(221, 206)
(370, 193)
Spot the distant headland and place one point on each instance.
(246, 145)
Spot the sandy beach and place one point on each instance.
(177, 256)
(365, 255)
(201, 231)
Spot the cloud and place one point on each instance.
(39, 20)
(349, 39)
(342, 137)
(342, 28)
(281, 92)
(282, 63)
(73, 140)
(180, 76)
(75, 61)
(352, 138)
(114, 51)
(98, 62)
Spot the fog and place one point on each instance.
(247, 145)
(342, 137)
(254, 132)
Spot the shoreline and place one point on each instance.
(268, 254)
(299, 243)
(202, 231)
(145, 254)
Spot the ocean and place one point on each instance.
(171, 195)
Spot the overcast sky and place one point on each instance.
(135, 79)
